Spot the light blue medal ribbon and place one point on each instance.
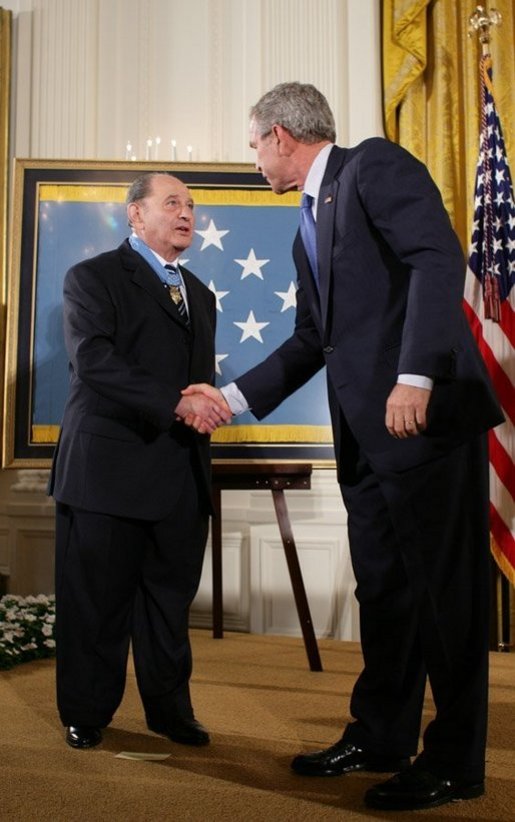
(166, 276)
(169, 275)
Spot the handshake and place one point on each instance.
(203, 407)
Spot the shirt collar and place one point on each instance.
(316, 172)
(162, 260)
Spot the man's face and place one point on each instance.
(272, 161)
(164, 219)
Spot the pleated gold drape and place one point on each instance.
(431, 91)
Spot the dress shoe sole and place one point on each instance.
(405, 803)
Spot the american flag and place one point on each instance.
(489, 305)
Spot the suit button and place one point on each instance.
(328, 349)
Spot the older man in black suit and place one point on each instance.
(379, 303)
(131, 482)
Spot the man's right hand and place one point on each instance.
(203, 407)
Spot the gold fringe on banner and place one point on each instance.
(48, 434)
(82, 193)
(86, 193)
(45, 434)
(274, 434)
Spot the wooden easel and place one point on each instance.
(276, 477)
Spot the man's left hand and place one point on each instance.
(406, 410)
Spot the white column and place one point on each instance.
(92, 75)
(304, 40)
(64, 79)
(362, 46)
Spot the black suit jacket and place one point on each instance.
(391, 276)
(120, 450)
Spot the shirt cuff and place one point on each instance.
(417, 380)
(235, 399)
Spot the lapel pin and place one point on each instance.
(328, 199)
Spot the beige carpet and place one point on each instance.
(262, 706)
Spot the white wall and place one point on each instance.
(90, 75)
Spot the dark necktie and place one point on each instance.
(308, 232)
(173, 282)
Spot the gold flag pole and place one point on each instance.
(480, 23)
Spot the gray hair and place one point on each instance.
(141, 187)
(299, 108)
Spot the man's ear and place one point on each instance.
(285, 142)
(133, 214)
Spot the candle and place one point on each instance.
(189, 149)
(174, 150)
(128, 149)
(156, 153)
(148, 149)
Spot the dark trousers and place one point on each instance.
(121, 580)
(419, 543)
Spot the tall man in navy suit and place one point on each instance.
(379, 305)
(130, 480)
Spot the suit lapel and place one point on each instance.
(306, 279)
(325, 234)
(144, 277)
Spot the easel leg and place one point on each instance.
(299, 591)
(216, 559)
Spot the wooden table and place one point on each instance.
(274, 477)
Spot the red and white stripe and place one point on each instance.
(495, 342)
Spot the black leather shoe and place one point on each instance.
(83, 736)
(343, 757)
(415, 788)
(185, 731)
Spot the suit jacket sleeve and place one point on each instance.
(405, 206)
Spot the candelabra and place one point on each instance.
(152, 150)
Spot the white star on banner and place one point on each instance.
(219, 295)
(251, 265)
(289, 297)
(218, 360)
(211, 236)
(251, 328)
